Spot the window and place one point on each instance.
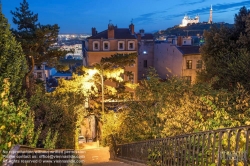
(105, 45)
(121, 45)
(131, 45)
(96, 45)
(188, 79)
(145, 63)
(39, 74)
(131, 78)
(189, 64)
(199, 64)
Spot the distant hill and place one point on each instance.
(189, 30)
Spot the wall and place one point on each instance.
(167, 56)
(190, 72)
(145, 52)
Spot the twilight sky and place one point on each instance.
(78, 16)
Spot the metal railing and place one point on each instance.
(21, 155)
(227, 146)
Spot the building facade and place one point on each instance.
(109, 42)
(177, 57)
(145, 53)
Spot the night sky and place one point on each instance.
(79, 16)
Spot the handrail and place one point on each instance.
(226, 146)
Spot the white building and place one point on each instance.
(77, 54)
(187, 20)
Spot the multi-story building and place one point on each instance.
(145, 53)
(109, 42)
(177, 57)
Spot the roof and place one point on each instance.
(148, 36)
(120, 33)
(62, 74)
(189, 49)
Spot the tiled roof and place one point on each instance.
(189, 49)
(120, 33)
(148, 36)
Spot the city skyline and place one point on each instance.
(79, 17)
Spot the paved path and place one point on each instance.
(99, 157)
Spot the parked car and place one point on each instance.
(81, 139)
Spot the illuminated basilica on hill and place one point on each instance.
(187, 20)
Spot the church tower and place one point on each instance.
(211, 16)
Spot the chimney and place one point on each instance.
(139, 37)
(94, 32)
(142, 32)
(132, 28)
(111, 31)
(179, 41)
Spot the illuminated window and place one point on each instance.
(199, 64)
(189, 64)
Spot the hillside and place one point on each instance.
(190, 30)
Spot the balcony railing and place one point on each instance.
(228, 146)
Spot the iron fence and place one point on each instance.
(227, 146)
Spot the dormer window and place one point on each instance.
(105, 45)
(96, 46)
(131, 45)
(121, 45)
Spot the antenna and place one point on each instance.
(109, 20)
(132, 21)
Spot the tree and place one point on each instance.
(225, 50)
(12, 60)
(13, 130)
(35, 39)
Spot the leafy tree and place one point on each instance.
(225, 50)
(35, 39)
(62, 67)
(174, 107)
(13, 130)
(12, 60)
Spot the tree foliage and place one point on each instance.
(174, 107)
(13, 130)
(226, 53)
(12, 60)
(35, 38)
